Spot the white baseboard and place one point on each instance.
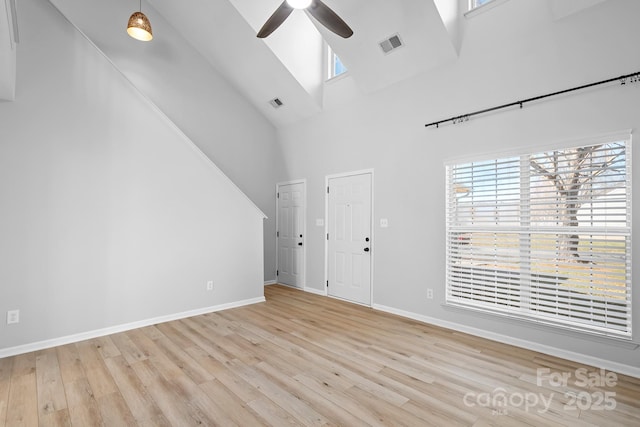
(270, 282)
(69, 339)
(315, 291)
(529, 345)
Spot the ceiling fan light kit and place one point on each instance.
(316, 8)
(299, 4)
(139, 26)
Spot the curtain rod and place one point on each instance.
(633, 77)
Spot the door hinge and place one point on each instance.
(277, 234)
(327, 283)
(327, 189)
(278, 195)
(327, 236)
(277, 272)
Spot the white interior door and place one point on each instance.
(290, 234)
(349, 238)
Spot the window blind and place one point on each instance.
(544, 236)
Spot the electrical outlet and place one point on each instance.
(13, 316)
(429, 293)
(210, 285)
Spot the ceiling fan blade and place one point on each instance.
(275, 20)
(329, 19)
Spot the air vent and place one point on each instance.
(391, 44)
(276, 103)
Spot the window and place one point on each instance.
(336, 67)
(544, 237)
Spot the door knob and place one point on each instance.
(366, 249)
(366, 239)
(300, 244)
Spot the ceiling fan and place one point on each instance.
(315, 8)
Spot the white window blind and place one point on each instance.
(544, 237)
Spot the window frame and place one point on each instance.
(473, 4)
(331, 63)
(516, 310)
(474, 9)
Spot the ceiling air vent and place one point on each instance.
(276, 103)
(391, 44)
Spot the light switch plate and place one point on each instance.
(319, 222)
(384, 222)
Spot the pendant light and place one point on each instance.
(139, 26)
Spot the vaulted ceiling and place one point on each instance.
(290, 64)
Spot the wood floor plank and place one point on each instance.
(387, 413)
(340, 399)
(238, 410)
(51, 397)
(128, 349)
(23, 399)
(176, 355)
(95, 370)
(297, 359)
(315, 399)
(142, 406)
(6, 368)
(174, 406)
(106, 347)
(114, 410)
(272, 414)
(59, 418)
(86, 415)
(71, 368)
(299, 409)
(24, 364)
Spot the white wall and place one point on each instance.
(108, 214)
(513, 51)
(193, 94)
(7, 52)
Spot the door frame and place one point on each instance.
(326, 228)
(302, 181)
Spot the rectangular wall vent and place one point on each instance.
(276, 103)
(392, 43)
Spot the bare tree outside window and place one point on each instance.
(544, 235)
(575, 177)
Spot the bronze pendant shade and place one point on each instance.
(139, 26)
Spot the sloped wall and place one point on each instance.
(194, 95)
(109, 214)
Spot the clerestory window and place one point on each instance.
(336, 67)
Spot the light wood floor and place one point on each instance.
(298, 359)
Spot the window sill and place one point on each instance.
(484, 8)
(626, 343)
(337, 78)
